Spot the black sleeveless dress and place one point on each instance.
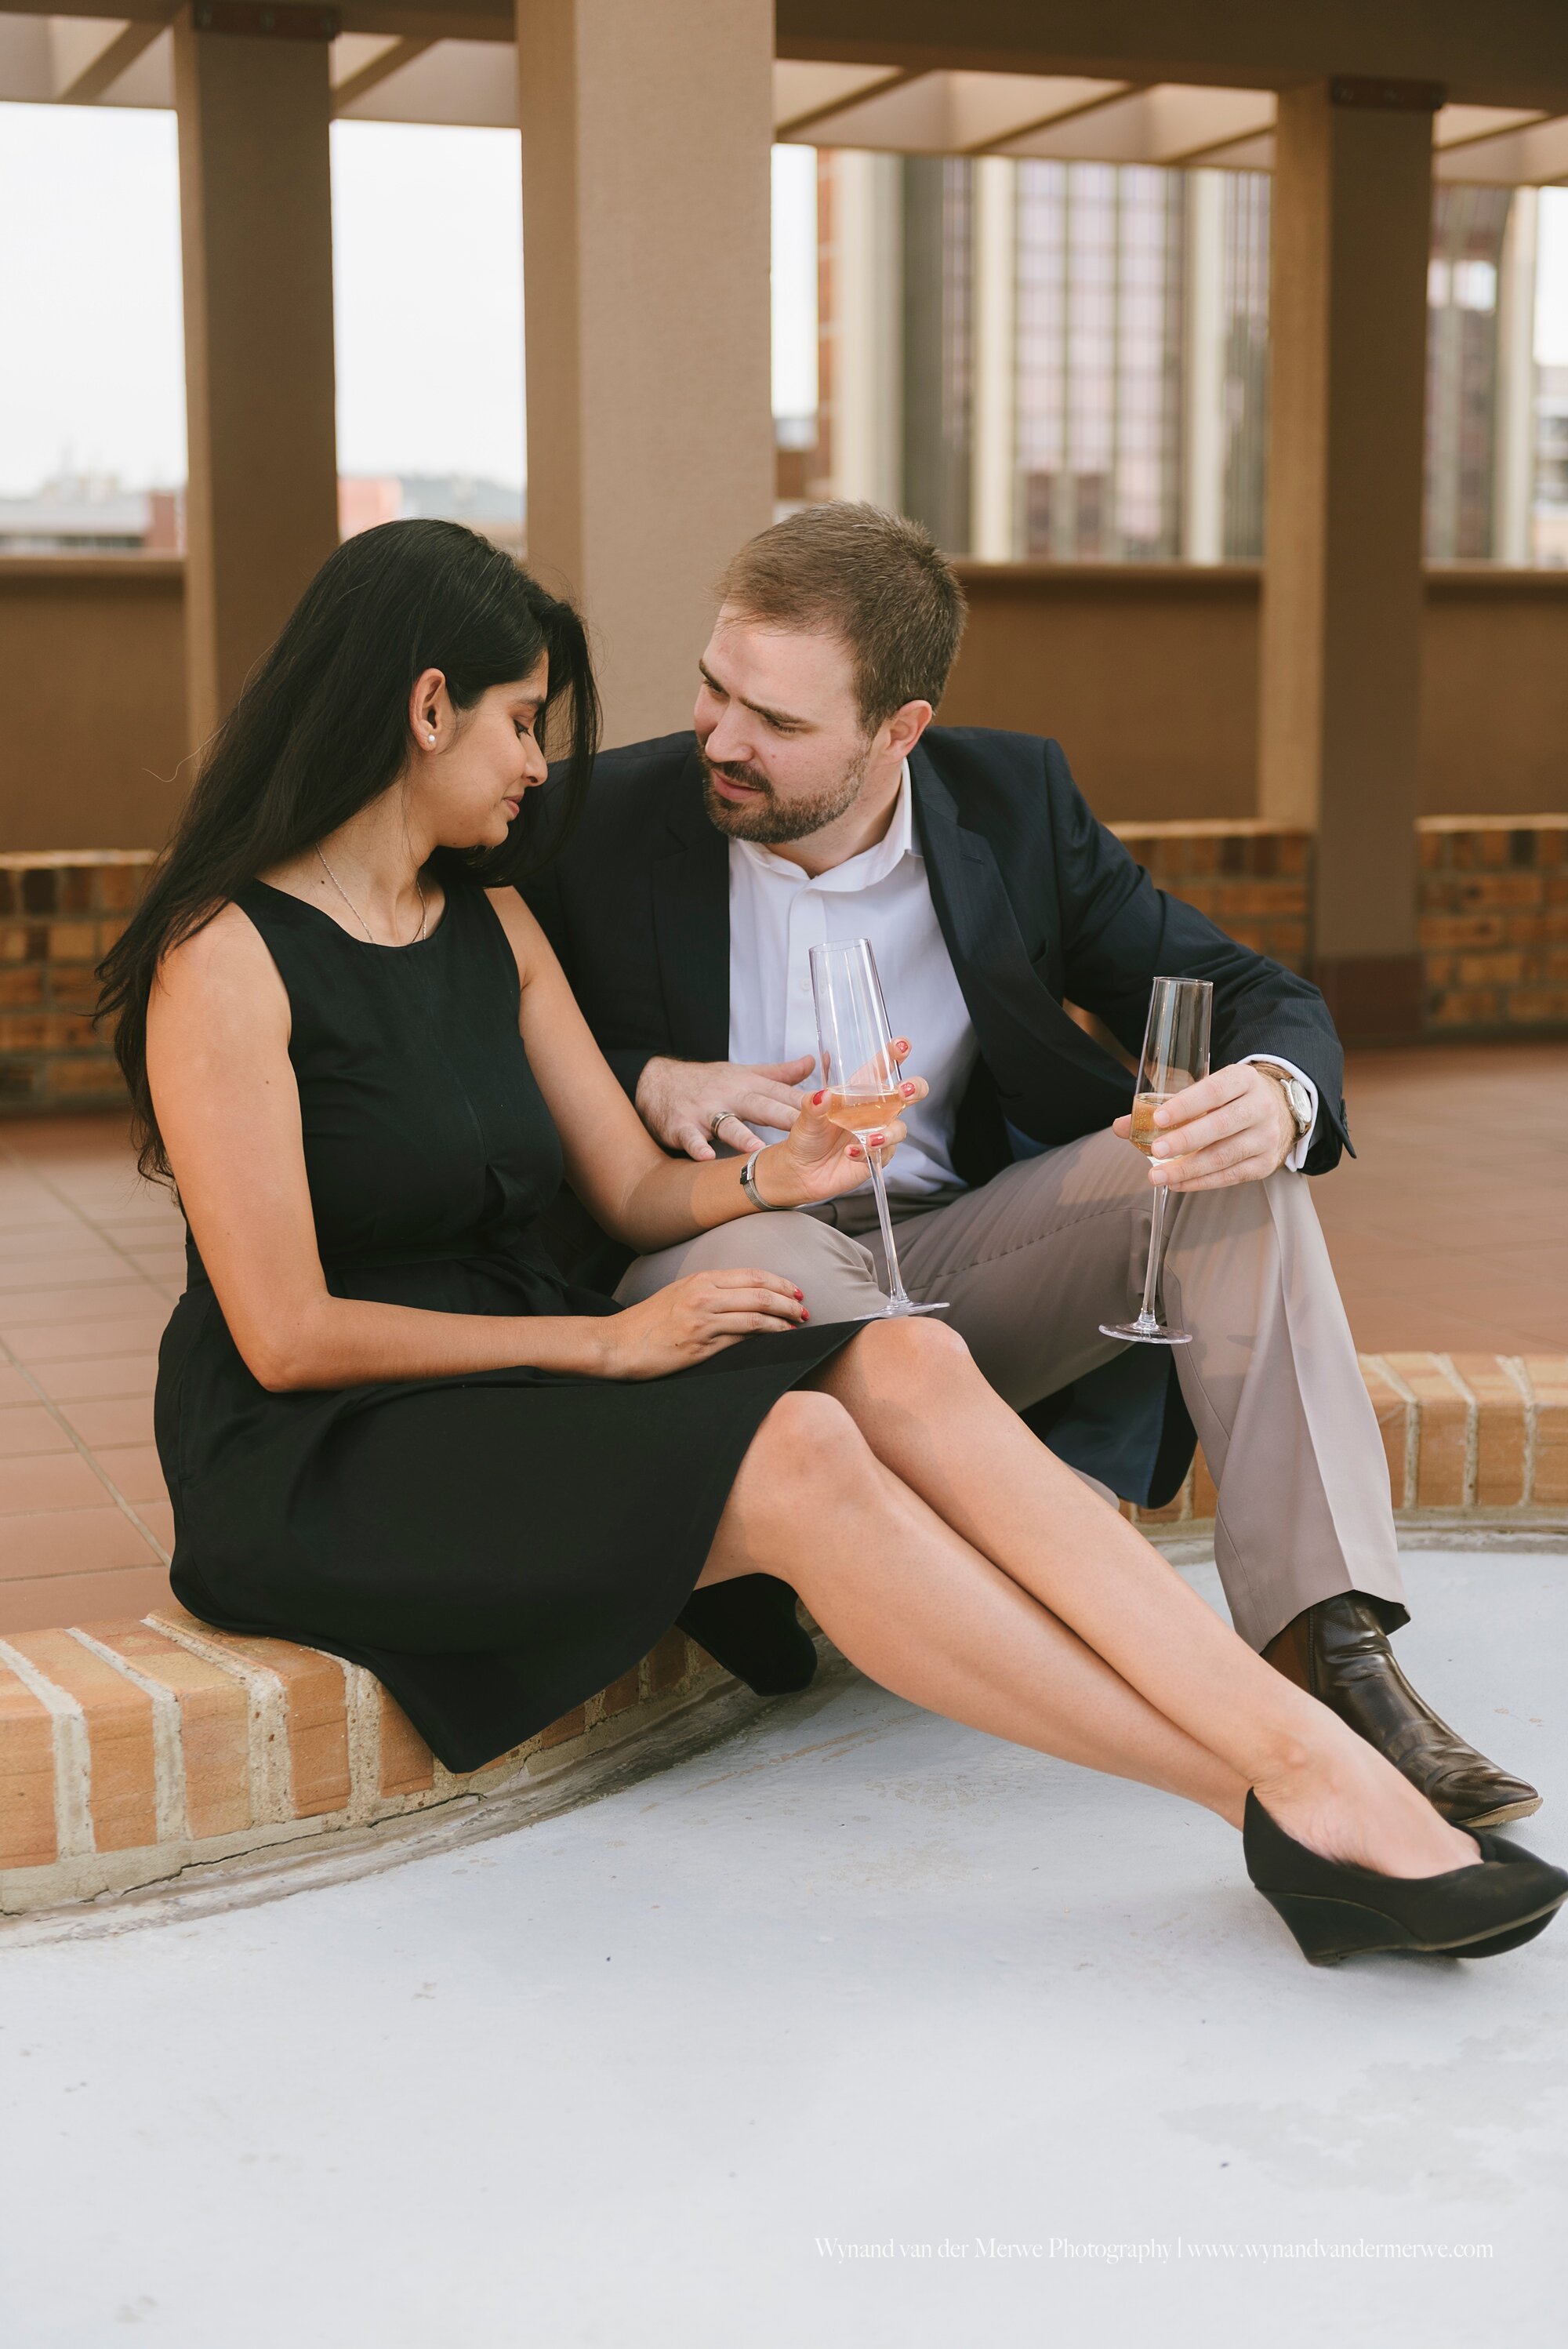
(497, 1547)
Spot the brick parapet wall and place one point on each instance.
(133, 1751)
(1253, 879)
(59, 916)
(1494, 924)
(1493, 931)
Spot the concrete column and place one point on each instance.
(647, 134)
(255, 208)
(993, 497)
(1204, 386)
(1513, 490)
(861, 327)
(1342, 602)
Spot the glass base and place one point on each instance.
(897, 1309)
(1147, 1332)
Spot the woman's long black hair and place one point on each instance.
(322, 728)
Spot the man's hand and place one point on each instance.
(677, 1101)
(1233, 1127)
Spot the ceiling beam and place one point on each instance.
(109, 64)
(1061, 114)
(1508, 53)
(379, 70)
(825, 113)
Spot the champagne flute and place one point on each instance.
(860, 1073)
(1175, 1055)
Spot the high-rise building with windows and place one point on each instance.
(1068, 361)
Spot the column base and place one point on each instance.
(1373, 999)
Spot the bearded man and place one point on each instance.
(815, 800)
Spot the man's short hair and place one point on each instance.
(874, 579)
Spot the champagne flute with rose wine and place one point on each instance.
(860, 1074)
(1175, 1055)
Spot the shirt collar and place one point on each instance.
(862, 872)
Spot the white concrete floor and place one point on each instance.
(857, 1977)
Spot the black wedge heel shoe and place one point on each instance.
(1336, 1910)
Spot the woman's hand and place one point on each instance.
(695, 1318)
(819, 1160)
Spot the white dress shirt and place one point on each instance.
(777, 913)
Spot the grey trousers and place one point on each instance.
(1033, 1262)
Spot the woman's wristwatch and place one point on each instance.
(748, 1185)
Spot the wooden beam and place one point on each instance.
(1510, 53)
(825, 113)
(379, 70)
(109, 64)
(1003, 139)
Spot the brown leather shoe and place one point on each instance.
(1339, 1652)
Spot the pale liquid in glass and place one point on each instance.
(860, 1112)
(1144, 1130)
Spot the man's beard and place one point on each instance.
(769, 820)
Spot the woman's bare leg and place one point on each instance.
(925, 1615)
(929, 1415)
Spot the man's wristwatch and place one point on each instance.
(1297, 1100)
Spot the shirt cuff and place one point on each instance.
(1296, 1157)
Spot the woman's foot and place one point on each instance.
(1346, 1803)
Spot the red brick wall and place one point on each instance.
(58, 914)
(1494, 923)
(1494, 929)
(1253, 879)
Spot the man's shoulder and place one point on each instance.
(644, 766)
(982, 757)
(634, 787)
(1001, 783)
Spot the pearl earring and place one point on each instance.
(432, 741)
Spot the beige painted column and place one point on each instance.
(646, 132)
(1341, 639)
(255, 205)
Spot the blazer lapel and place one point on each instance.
(1014, 1011)
(691, 925)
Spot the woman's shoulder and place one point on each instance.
(226, 949)
(522, 930)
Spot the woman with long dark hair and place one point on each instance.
(391, 1430)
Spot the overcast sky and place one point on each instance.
(90, 354)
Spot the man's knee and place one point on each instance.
(835, 1272)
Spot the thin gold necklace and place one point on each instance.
(424, 909)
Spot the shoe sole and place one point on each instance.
(1314, 1923)
(1504, 1814)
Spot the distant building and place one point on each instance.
(1551, 515)
(495, 510)
(91, 515)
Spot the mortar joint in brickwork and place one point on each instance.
(168, 1742)
(74, 1837)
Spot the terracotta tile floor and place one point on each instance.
(1448, 1232)
(1449, 1229)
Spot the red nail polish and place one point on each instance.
(805, 1316)
(799, 1297)
(818, 1099)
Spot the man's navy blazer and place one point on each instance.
(1040, 906)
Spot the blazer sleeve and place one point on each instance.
(1120, 933)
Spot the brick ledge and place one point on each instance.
(134, 1752)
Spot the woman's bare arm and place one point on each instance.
(622, 1176)
(228, 1108)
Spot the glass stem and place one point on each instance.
(897, 1293)
(1152, 1277)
